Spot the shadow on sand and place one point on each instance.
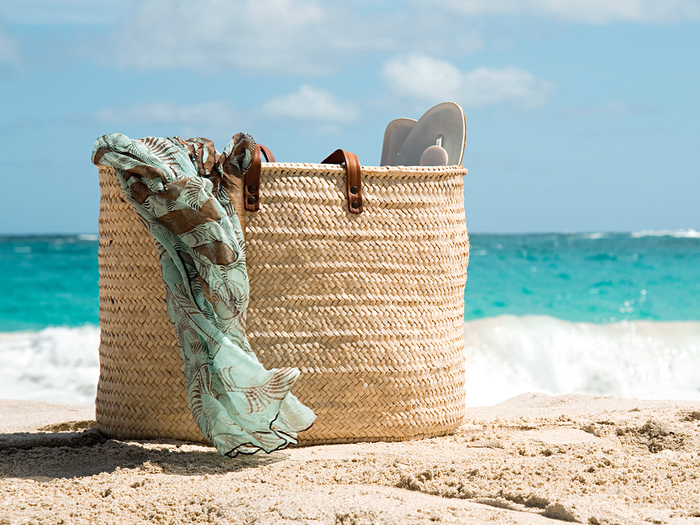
(49, 455)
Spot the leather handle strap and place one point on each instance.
(353, 177)
(269, 157)
(251, 182)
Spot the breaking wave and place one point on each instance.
(57, 364)
(505, 356)
(509, 355)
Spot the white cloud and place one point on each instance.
(307, 104)
(311, 104)
(215, 114)
(588, 11)
(9, 48)
(420, 77)
(276, 37)
(288, 36)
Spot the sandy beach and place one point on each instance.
(532, 459)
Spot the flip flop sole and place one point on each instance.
(396, 132)
(446, 120)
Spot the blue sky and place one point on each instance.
(582, 115)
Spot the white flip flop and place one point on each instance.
(396, 132)
(445, 120)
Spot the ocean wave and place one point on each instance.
(595, 235)
(509, 355)
(679, 234)
(56, 364)
(88, 237)
(506, 355)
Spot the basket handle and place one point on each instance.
(353, 178)
(251, 182)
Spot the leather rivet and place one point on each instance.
(251, 200)
(355, 205)
(252, 188)
(353, 190)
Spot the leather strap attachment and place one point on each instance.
(353, 177)
(251, 184)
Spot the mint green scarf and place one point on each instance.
(179, 189)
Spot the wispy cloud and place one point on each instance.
(311, 104)
(9, 48)
(65, 12)
(276, 37)
(308, 104)
(272, 36)
(611, 108)
(587, 11)
(419, 77)
(213, 114)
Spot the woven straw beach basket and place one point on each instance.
(369, 306)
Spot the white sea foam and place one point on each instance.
(509, 355)
(506, 356)
(88, 237)
(60, 365)
(681, 234)
(595, 235)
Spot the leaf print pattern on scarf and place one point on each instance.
(180, 190)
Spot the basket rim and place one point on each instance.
(417, 170)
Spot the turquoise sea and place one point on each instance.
(599, 313)
(598, 278)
